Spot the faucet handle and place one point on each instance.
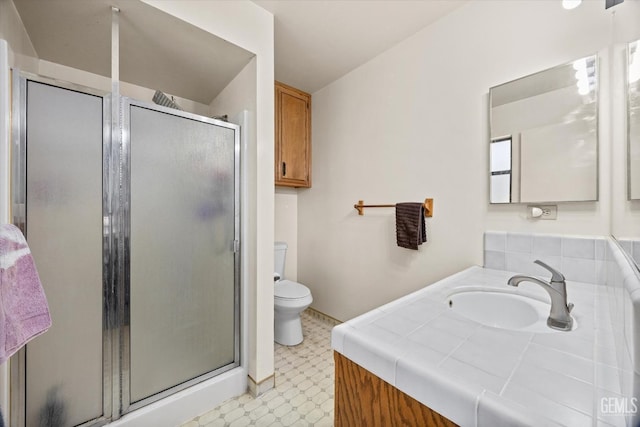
(556, 276)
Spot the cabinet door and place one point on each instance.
(293, 137)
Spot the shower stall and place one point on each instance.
(136, 240)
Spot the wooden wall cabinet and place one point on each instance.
(293, 137)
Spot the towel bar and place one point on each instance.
(428, 207)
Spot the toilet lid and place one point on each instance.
(286, 289)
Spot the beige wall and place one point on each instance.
(96, 81)
(238, 95)
(21, 52)
(413, 123)
(286, 227)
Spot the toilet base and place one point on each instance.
(288, 328)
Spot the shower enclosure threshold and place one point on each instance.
(188, 403)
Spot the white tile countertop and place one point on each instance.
(477, 375)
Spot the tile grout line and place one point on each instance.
(276, 407)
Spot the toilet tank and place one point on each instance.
(279, 257)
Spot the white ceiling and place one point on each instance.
(157, 50)
(316, 41)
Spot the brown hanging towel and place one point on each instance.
(410, 226)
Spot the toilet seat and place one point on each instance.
(289, 290)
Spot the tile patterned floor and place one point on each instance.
(303, 395)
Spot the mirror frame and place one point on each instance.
(630, 139)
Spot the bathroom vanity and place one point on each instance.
(362, 398)
(449, 354)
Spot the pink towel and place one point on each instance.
(24, 313)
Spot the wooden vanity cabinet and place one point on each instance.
(363, 399)
(293, 137)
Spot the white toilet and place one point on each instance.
(290, 299)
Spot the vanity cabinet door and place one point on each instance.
(293, 137)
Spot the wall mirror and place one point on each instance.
(633, 120)
(544, 136)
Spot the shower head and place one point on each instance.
(162, 99)
(224, 118)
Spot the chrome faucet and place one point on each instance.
(559, 317)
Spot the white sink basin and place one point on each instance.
(502, 310)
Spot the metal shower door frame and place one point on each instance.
(123, 285)
(19, 218)
(116, 183)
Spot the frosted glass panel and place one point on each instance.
(64, 231)
(182, 260)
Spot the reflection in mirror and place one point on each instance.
(500, 157)
(548, 120)
(633, 94)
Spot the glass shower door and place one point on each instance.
(63, 136)
(137, 247)
(183, 239)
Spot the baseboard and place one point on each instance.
(321, 316)
(256, 389)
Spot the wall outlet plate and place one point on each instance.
(548, 211)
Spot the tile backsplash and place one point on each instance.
(599, 261)
(580, 259)
(622, 284)
(632, 247)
